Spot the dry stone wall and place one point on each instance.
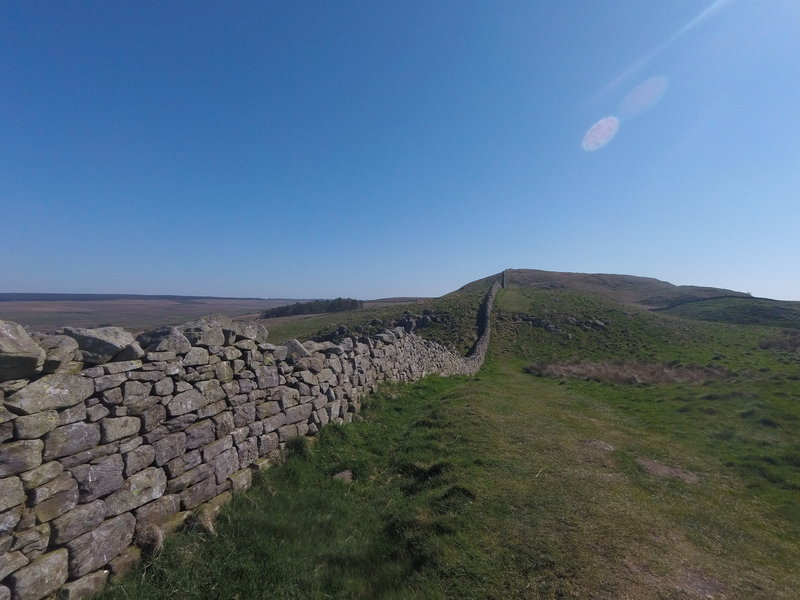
(107, 442)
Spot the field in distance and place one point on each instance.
(134, 313)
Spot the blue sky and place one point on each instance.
(374, 149)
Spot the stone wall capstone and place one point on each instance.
(107, 442)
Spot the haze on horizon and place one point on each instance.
(312, 149)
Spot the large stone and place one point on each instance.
(41, 474)
(164, 339)
(138, 489)
(11, 492)
(267, 376)
(78, 521)
(121, 427)
(18, 457)
(203, 333)
(58, 390)
(40, 578)
(225, 464)
(200, 433)
(96, 548)
(85, 588)
(32, 542)
(29, 427)
(159, 510)
(8, 521)
(199, 493)
(169, 447)
(71, 439)
(60, 350)
(185, 402)
(20, 356)
(47, 490)
(10, 562)
(98, 346)
(299, 413)
(138, 459)
(100, 479)
(56, 505)
(296, 349)
(196, 357)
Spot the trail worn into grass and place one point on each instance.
(485, 487)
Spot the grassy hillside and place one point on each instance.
(746, 311)
(513, 485)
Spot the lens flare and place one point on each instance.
(600, 133)
(643, 97)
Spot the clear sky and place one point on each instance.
(373, 149)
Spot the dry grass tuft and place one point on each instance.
(626, 372)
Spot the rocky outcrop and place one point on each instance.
(117, 453)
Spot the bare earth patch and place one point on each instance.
(699, 584)
(660, 470)
(599, 445)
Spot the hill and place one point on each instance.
(643, 292)
(745, 311)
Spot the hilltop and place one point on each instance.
(642, 292)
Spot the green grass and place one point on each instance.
(744, 311)
(484, 487)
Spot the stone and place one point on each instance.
(267, 376)
(164, 339)
(296, 350)
(299, 414)
(153, 417)
(138, 459)
(40, 578)
(250, 330)
(58, 390)
(267, 443)
(96, 548)
(223, 372)
(60, 350)
(135, 392)
(199, 493)
(274, 422)
(141, 488)
(96, 412)
(189, 478)
(72, 414)
(140, 405)
(203, 332)
(98, 346)
(226, 463)
(224, 423)
(92, 455)
(186, 402)
(11, 492)
(286, 396)
(180, 464)
(100, 479)
(180, 423)
(116, 429)
(122, 366)
(32, 542)
(8, 521)
(241, 480)
(200, 434)
(62, 483)
(18, 457)
(20, 356)
(346, 476)
(244, 414)
(164, 387)
(78, 521)
(10, 562)
(158, 511)
(168, 447)
(34, 426)
(123, 563)
(248, 452)
(214, 448)
(85, 588)
(71, 439)
(106, 382)
(41, 474)
(153, 375)
(130, 353)
(56, 505)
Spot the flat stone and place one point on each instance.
(34, 426)
(200, 433)
(72, 414)
(85, 588)
(250, 330)
(98, 547)
(62, 483)
(214, 448)
(296, 349)
(98, 346)
(299, 414)
(100, 479)
(131, 352)
(106, 382)
(9, 520)
(56, 505)
(40, 578)
(32, 542)
(141, 488)
(71, 439)
(164, 387)
(186, 402)
(116, 429)
(189, 478)
(153, 417)
(58, 390)
(199, 493)
(18, 457)
(203, 332)
(158, 511)
(123, 563)
(20, 356)
(78, 521)
(41, 474)
(11, 492)
(225, 464)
